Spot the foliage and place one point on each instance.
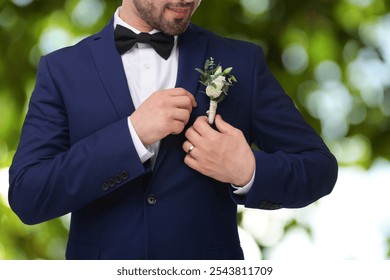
(17, 241)
(331, 56)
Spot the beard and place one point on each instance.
(154, 16)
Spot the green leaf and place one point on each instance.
(200, 71)
(227, 70)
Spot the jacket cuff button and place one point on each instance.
(118, 179)
(111, 183)
(124, 175)
(104, 186)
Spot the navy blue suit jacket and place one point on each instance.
(76, 155)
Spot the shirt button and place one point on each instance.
(151, 199)
(147, 66)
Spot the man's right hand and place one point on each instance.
(164, 112)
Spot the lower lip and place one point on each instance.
(180, 12)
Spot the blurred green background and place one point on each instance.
(331, 56)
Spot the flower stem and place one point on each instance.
(212, 111)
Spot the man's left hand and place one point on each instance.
(223, 155)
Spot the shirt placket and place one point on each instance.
(148, 75)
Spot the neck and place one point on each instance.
(128, 14)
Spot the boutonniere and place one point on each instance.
(217, 82)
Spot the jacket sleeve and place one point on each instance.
(294, 167)
(49, 176)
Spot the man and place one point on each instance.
(116, 134)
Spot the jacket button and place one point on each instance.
(104, 186)
(118, 179)
(151, 199)
(124, 175)
(111, 182)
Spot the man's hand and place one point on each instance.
(164, 112)
(223, 155)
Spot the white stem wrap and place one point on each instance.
(212, 111)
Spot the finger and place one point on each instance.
(187, 147)
(177, 127)
(193, 136)
(183, 102)
(202, 126)
(191, 162)
(182, 115)
(223, 126)
(193, 100)
(183, 92)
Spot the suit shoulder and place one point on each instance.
(227, 43)
(77, 49)
(81, 48)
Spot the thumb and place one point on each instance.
(222, 126)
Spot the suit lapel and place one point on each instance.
(109, 65)
(192, 54)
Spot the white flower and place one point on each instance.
(214, 90)
(217, 82)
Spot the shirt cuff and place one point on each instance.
(143, 152)
(245, 189)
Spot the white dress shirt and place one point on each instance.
(147, 72)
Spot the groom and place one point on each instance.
(116, 134)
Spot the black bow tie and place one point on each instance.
(125, 39)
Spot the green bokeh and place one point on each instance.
(327, 30)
